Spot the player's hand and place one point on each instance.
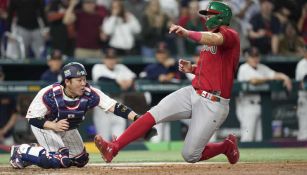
(288, 84)
(178, 30)
(61, 125)
(185, 66)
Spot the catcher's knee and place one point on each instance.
(81, 160)
(190, 156)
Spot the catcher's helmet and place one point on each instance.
(222, 14)
(73, 70)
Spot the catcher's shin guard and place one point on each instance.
(15, 159)
(80, 160)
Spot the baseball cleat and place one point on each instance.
(107, 149)
(232, 152)
(15, 159)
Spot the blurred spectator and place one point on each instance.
(121, 27)
(111, 70)
(30, 15)
(248, 106)
(61, 35)
(104, 3)
(8, 115)
(87, 22)
(3, 16)
(171, 8)
(283, 15)
(245, 9)
(302, 23)
(242, 11)
(136, 7)
(192, 22)
(55, 62)
(154, 28)
(291, 44)
(265, 29)
(166, 68)
(301, 76)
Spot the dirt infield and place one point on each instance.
(284, 168)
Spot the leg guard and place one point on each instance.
(38, 156)
(80, 160)
(59, 159)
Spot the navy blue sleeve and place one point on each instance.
(151, 72)
(275, 26)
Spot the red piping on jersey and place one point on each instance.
(49, 109)
(73, 108)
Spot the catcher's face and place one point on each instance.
(75, 87)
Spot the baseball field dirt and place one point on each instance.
(280, 168)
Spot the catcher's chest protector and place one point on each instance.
(73, 111)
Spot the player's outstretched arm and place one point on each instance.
(208, 38)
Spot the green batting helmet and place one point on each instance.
(222, 14)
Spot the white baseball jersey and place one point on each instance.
(120, 72)
(105, 123)
(300, 73)
(246, 73)
(248, 106)
(301, 69)
(52, 140)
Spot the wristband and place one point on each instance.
(122, 110)
(195, 36)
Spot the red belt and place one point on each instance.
(208, 95)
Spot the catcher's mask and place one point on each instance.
(221, 14)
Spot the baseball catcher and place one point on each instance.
(55, 114)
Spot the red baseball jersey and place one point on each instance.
(217, 65)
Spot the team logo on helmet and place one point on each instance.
(67, 73)
(81, 73)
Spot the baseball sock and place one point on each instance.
(136, 130)
(213, 149)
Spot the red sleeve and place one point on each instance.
(229, 36)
